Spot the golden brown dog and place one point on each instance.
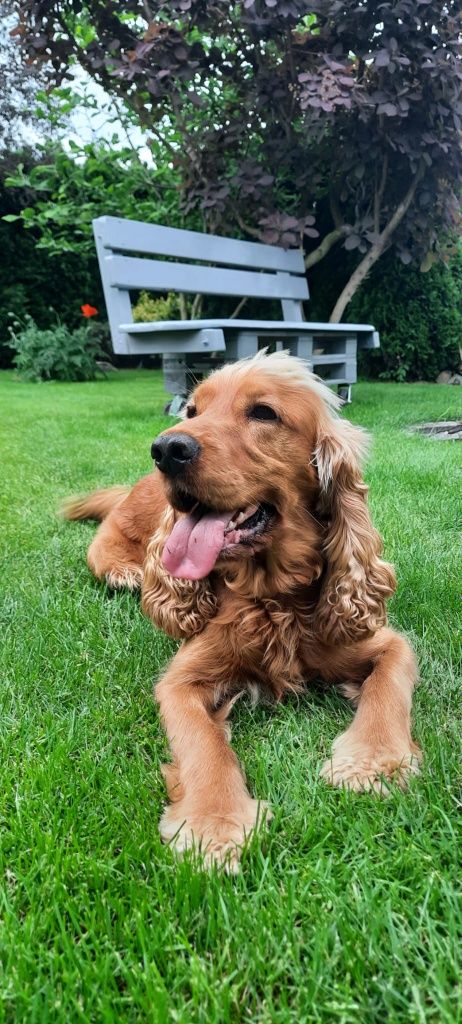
(252, 542)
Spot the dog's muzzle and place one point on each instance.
(174, 453)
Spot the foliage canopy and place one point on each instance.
(70, 191)
(336, 121)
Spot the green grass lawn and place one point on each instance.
(349, 910)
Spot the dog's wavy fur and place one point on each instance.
(310, 601)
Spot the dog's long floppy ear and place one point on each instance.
(181, 608)
(357, 583)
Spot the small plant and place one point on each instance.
(163, 308)
(56, 353)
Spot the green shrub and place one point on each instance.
(163, 308)
(49, 202)
(29, 284)
(419, 317)
(54, 354)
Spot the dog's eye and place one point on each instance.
(191, 411)
(262, 412)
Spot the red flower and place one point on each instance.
(89, 310)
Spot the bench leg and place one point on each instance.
(243, 345)
(344, 392)
(174, 407)
(301, 346)
(174, 370)
(183, 371)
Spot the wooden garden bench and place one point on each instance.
(128, 254)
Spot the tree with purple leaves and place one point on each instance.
(332, 123)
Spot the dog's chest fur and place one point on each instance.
(268, 637)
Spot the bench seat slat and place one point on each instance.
(123, 235)
(302, 327)
(157, 275)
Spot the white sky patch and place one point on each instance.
(102, 120)
(83, 125)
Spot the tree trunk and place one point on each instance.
(326, 245)
(374, 253)
(183, 306)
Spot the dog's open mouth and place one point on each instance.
(200, 537)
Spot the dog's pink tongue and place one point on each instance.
(194, 544)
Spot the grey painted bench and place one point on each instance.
(227, 267)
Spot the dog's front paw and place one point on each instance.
(363, 767)
(218, 836)
(130, 577)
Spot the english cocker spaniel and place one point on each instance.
(252, 544)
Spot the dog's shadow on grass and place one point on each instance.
(316, 699)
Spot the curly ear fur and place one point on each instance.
(180, 607)
(357, 583)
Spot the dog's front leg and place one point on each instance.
(377, 748)
(210, 807)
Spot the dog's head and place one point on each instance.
(266, 479)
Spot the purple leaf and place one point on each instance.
(352, 242)
(382, 59)
(387, 108)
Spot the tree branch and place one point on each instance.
(326, 245)
(183, 306)
(148, 12)
(153, 130)
(335, 210)
(249, 230)
(375, 251)
(378, 195)
(238, 308)
(196, 308)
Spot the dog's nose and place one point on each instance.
(173, 453)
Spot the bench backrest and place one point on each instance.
(264, 271)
